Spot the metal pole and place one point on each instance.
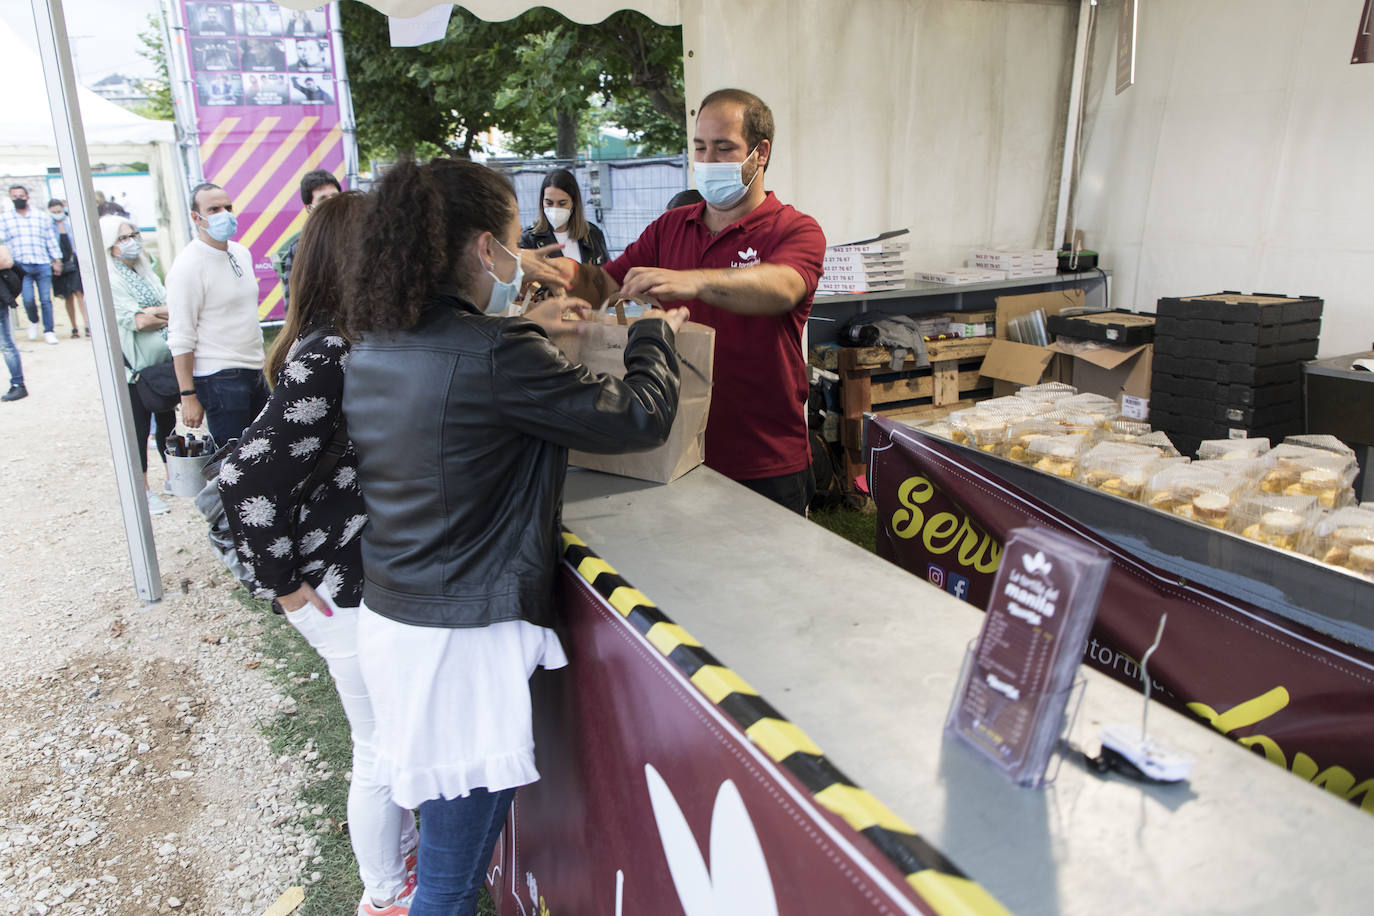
(183, 92)
(60, 78)
(344, 93)
(1067, 170)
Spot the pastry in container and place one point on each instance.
(1118, 468)
(1057, 455)
(1279, 521)
(985, 430)
(1047, 392)
(1339, 535)
(1231, 449)
(1099, 409)
(1300, 471)
(1194, 491)
(1021, 434)
(1321, 441)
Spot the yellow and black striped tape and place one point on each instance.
(943, 887)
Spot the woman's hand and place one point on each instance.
(559, 315)
(555, 273)
(676, 318)
(301, 597)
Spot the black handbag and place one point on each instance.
(14, 285)
(157, 386)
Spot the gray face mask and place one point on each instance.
(129, 249)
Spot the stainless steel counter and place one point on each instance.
(863, 656)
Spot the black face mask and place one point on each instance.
(21, 203)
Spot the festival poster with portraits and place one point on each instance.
(267, 111)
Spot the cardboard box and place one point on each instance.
(1107, 370)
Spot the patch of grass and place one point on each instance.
(319, 718)
(851, 524)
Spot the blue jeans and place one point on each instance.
(10, 351)
(232, 398)
(40, 276)
(457, 836)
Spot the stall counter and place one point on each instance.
(863, 657)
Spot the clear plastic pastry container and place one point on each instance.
(1195, 492)
(1231, 449)
(1057, 455)
(1296, 470)
(1284, 522)
(1118, 468)
(1345, 538)
(1047, 392)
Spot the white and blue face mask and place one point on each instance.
(503, 293)
(221, 226)
(722, 183)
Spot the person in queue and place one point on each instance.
(33, 244)
(10, 286)
(461, 421)
(140, 309)
(67, 285)
(747, 265)
(563, 222)
(317, 186)
(213, 330)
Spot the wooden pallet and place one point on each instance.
(912, 393)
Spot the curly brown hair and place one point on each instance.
(317, 272)
(415, 227)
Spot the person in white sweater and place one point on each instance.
(212, 326)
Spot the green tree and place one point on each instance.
(545, 81)
(159, 87)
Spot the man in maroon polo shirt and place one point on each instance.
(747, 265)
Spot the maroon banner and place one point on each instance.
(652, 800)
(1302, 699)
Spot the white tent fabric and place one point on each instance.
(1227, 169)
(942, 116)
(28, 120)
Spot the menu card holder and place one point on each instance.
(1020, 675)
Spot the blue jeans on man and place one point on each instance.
(232, 399)
(38, 277)
(9, 350)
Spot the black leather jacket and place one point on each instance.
(593, 249)
(461, 427)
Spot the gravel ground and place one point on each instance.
(134, 777)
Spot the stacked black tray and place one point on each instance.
(1229, 365)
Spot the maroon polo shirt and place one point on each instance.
(757, 426)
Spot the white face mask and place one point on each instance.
(558, 216)
(129, 249)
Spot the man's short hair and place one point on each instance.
(195, 193)
(758, 117)
(19, 187)
(317, 179)
(55, 203)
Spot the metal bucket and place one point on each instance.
(184, 476)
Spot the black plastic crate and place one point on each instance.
(1238, 331)
(1181, 425)
(1256, 308)
(1238, 395)
(1205, 409)
(1236, 352)
(1121, 327)
(1227, 373)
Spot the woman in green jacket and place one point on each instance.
(140, 307)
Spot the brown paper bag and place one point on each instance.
(602, 350)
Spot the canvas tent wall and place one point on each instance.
(945, 116)
(114, 135)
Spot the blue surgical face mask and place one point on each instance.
(722, 183)
(221, 226)
(59, 216)
(503, 293)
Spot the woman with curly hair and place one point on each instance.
(462, 420)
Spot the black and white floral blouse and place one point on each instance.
(260, 482)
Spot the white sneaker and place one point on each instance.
(33, 332)
(167, 489)
(156, 506)
(50, 337)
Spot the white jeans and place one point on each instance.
(378, 828)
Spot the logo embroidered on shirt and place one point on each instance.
(748, 258)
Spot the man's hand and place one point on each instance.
(301, 597)
(192, 414)
(676, 318)
(555, 273)
(560, 315)
(56, 267)
(662, 284)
